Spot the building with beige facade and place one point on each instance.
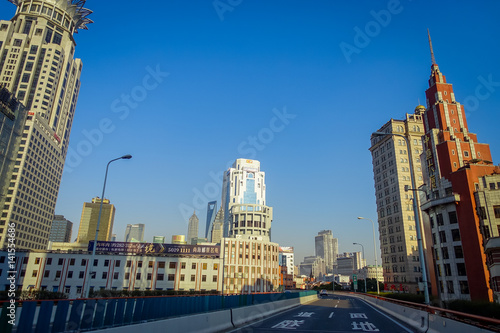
(38, 66)
(90, 216)
(391, 169)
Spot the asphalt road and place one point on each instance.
(332, 313)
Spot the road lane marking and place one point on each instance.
(331, 315)
(406, 329)
(335, 305)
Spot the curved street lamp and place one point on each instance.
(91, 263)
(363, 248)
(374, 251)
(415, 212)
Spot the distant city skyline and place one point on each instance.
(207, 90)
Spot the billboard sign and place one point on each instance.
(156, 248)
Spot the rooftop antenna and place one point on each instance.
(432, 52)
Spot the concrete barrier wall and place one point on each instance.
(215, 321)
(204, 323)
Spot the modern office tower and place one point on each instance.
(192, 228)
(312, 266)
(61, 229)
(12, 118)
(327, 248)
(217, 226)
(391, 169)
(244, 202)
(134, 233)
(37, 65)
(159, 239)
(88, 222)
(455, 165)
(349, 263)
(211, 211)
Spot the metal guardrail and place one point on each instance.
(89, 314)
(471, 319)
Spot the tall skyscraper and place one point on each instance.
(88, 222)
(211, 211)
(37, 65)
(134, 233)
(61, 229)
(244, 201)
(193, 228)
(12, 118)
(325, 246)
(391, 170)
(217, 226)
(455, 165)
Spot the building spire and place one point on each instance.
(430, 45)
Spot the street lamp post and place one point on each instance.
(415, 212)
(91, 263)
(374, 252)
(363, 248)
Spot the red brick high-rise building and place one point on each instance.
(454, 166)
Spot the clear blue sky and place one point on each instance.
(228, 68)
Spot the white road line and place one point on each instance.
(405, 328)
(331, 315)
(335, 305)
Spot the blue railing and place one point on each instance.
(90, 314)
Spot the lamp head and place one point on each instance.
(126, 157)
(360, 218)
(379, 134)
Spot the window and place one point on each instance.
(72, 262)
(96, 262)
(193, 278)
(117, 263)
(204, 265)
(150, 264)
(445, 253)
(49, 261)
(149, 276)
(203, 278)
(37, 261)
(459, 253)
(447, 269)
(127, 276)
(70, 274)
(46, 274)
(67, 289)
(104, 275)
(453, 217)
(129, 263)
(466, 153)
(461, 269)
(439, 218)
(449, 286)
(116, 275)
(481, 211)
(139, 263)
(172, 264)
(106, 263)
(81, 274)
(496, 209)
(34, 273)
(442, 236)
(464, 287)
(455, 235)
(193, 266)
(160, 277)
(183, 265)
(216, 266)
(138, 276)
(182, 277)
(171, 277)
(78, 290)
(214, 278)
(161, 264)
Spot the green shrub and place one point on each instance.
(483, 309)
